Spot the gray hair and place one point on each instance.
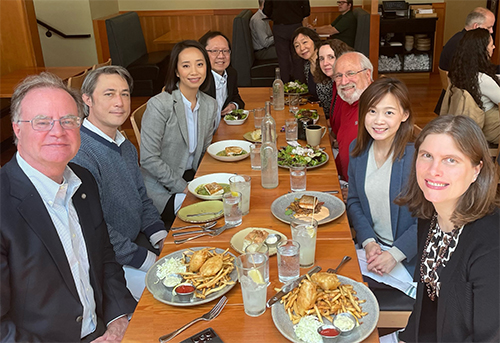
(477, 16)
(363, 61)
(42, 80)
(90, 83)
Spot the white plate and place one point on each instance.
(239, 237)
(163, 294)
(334, 205)
(216, 147)
(237, 122)
(209, 178)
(285, 326)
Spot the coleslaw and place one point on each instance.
(307, 329)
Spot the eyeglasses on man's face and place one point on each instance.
(349, 75)
(42, 123)
(217, 52)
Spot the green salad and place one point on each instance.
(236, 115)
(305, 113)
(296, 87)
(298, 155)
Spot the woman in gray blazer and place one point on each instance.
(177, 127)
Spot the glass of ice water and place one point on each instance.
(288, 260)
(255, 156)
(298, 177)
(293, 103)
(242, 184)
(291, 129)
(304, 231)
(252, 268)
(232, 209)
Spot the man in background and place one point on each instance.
(59, 279)
(223, 85)
(262, 36)
(353, 73)
(287, 16)
(134, 225)
(344, 26)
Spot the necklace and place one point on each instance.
(431, 277)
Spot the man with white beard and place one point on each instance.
(352, 74)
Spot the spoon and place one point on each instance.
(204, 226)
(344, 260)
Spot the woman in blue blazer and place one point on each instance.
(379, 166)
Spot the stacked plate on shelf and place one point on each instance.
(409, 42)
(423, 43)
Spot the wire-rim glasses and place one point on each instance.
(349, 74)
(41, 123)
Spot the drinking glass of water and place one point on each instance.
(232, 209)
(288, 260)
(298, 177)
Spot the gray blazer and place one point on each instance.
(165, 143)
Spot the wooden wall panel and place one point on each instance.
(440, 9)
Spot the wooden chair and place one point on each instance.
(136, 119)
(445, 81)
(99, 65)
(76, 82)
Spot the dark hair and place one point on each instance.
(172, 78)
(339, 48)
(212, 34)
(90, 82)
(471, 58)
(371, 97)
(306, 32)
(480, 198)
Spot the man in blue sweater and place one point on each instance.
(135, 228)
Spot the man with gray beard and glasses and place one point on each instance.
(352, 74)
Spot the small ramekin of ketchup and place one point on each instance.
(329, 333)
(184, 292)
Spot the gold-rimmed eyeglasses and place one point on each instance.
(217, 52)
(41, 123)
(349, 74)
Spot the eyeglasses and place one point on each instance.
(349, 75)
(41, 123)
(217, 52)
(341, 2)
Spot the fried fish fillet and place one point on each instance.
(198, 259)
(325, 280)
(307, 297)
(211, 266)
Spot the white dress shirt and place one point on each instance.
(262, 36)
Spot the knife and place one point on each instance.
(290, 286)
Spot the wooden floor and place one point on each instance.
(425, 90)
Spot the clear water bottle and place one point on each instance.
(269, 151)
(278, 92)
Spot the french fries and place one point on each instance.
(206, 285)
(328, 303)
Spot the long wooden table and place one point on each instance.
(153, 318)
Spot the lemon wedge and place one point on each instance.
(311, 231)
(235, 194)
(256, 276)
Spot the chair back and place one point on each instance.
(76, 82)
(107, 63)
(243, 56)
(445, 81)
(458, 101)
(362, 38)
(136, 119)
(125, 39)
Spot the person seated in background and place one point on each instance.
(304, 43)
(223, 79)
(472, 70)
(328, 52)
(262, 36)
(59, 280)
(352, 74)
(344, 26)
(452, 190)
(134, 225)
(479, 18)
(379, 167)
(177, 127)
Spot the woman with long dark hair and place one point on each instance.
(472, 70)
(452, 190)
(177, 128)
(379, 167)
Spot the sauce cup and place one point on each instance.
(184, 292)
(345, 322)
(272, 240)
(329, 333)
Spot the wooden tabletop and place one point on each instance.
(9, 81)
(153, 318)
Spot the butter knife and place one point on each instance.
(290, 286)
(205, 214)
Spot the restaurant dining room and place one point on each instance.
(261, 248)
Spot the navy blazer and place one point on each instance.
(39, 300)
(404, 226)
(233, 94)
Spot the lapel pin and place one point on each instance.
(84, 196)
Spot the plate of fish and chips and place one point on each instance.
(326, 207)
(210, 270)
(325, 295)
(211, 186)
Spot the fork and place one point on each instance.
(212, 314)
(344, 260)
(213, 234)
(184, 233)
(208, 225)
